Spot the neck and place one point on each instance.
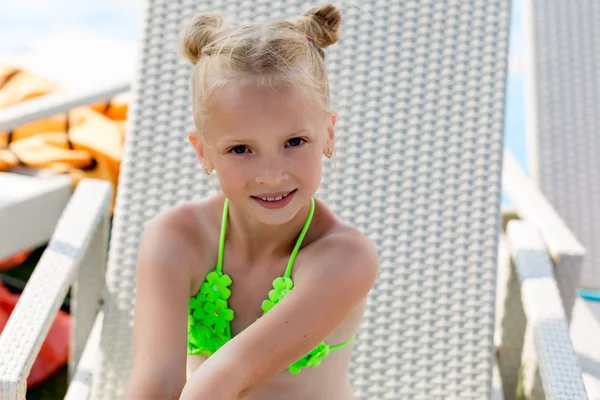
(259, 241)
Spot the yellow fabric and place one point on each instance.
(95, 133)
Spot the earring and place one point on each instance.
(329, 153)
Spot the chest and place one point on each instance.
(250, 286)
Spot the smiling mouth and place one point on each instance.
(274, 199)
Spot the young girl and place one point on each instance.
(261, 288)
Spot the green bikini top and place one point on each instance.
(209, 314)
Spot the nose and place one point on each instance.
(272, 171)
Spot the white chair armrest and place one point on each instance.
(532, 206)
(74, 239)
(547, 350)
(56, 103)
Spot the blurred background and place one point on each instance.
(62, 44)
(50, 45)
(77, 42)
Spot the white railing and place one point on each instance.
(539, 263)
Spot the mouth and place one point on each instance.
(273, 197)
(274, 200)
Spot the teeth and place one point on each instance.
(273, 198)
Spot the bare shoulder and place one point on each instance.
(346, 249)
(181, 220)
(179, 235)
(169, 236)
(343, 249)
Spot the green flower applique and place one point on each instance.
(196, 309)
(209, 315)
(216, 286)
(281, 287)
(312, 359)
(198, 336)
(218, 314)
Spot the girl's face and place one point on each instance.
(266, 146)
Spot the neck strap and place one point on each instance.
(290, 265)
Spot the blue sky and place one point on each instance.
(20, 27)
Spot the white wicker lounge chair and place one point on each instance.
(539, 262)
(563, 133)
(420, 89)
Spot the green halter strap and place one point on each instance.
(290, 265)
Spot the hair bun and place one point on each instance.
(200, 31)
(321, 24)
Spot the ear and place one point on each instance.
(330, 143)
(198, 145)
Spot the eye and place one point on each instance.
(241, 149)
(295, 142)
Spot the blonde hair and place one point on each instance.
(273, 52)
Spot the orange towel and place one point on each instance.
(86, 142)
(20, 85)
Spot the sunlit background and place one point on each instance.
(75, 41)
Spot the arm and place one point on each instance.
(160, 322)
(336, 278)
